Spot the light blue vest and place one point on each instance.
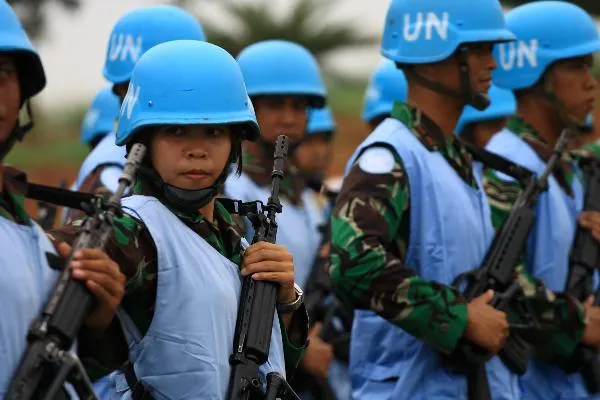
(25, 284)
(450, 231)
(298, 226)
(106, 152)
(547, 258)
(185, 353)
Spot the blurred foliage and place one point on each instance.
(304, 23)
(591, 6)
(32, 13)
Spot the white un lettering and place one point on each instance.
(517, 54)
(413, 30)
(123, 46)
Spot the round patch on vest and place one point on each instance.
(377, 160)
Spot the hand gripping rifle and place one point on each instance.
(498, 273)
(48, 361)
(583, 261)
(256, 311)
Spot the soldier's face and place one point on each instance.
(190, 157)
(314, 154)
(10, 95)
(480, 61)
(481, 64)
(574, 85)
(281, 115)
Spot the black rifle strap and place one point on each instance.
(138, 391)
(499, 163)
(58, 196)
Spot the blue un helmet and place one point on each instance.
(32, 79)
(546, 31)
(386, 85)
(186, 82)
(502, 104)
(278, 67)
(429, 31)
(320, 120)
(140, 30)
(100, 117)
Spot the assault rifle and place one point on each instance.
(256, 311)
(498, 273)
(48, 361)
(583, 261)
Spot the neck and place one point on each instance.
(208, 211)
(541, 117)
(443, 110)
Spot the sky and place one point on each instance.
(73, 47)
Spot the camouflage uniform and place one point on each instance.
(12, 197)
(370, 231)
(134, 250)
(562, 316)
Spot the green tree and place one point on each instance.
(32, 13)
(303, 24)
(591, 6)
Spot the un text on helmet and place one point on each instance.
(416, 25)
(124, 45)
(518, 54)
(131, 99)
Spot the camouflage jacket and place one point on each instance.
(370, 231)
(561, 315)
(12, 197)
(91, 184)
(134, 250)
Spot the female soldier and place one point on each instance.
(187, 102)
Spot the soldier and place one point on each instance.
(27, 278)
(314, 153)
(412, 215)
(551, 75)
(179, 248)
(283, 81)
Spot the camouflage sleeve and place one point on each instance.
(133, 249)
(560, 315)
(369, 230)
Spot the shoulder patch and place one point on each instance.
(377, 160)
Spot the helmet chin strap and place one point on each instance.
(570, 121)
(479, 101)
(17, 134)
